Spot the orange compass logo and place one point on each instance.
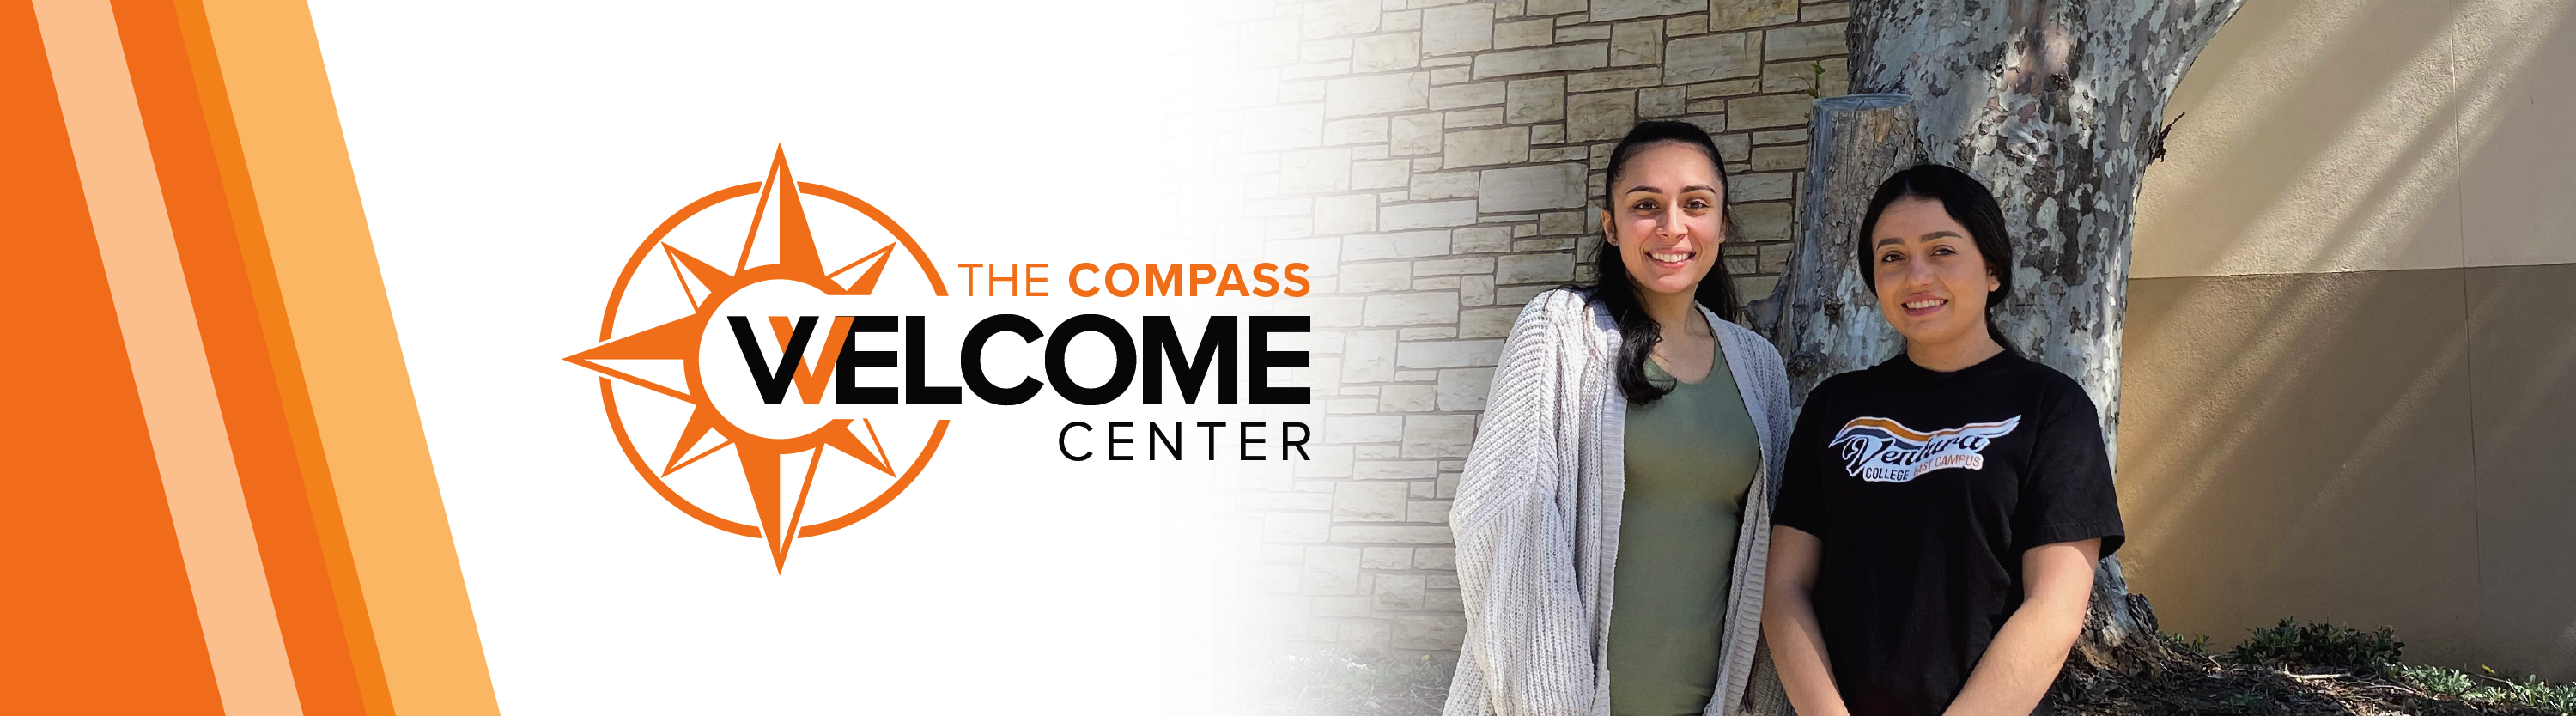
(664, 351)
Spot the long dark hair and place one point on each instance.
(1611, 287)
(1969, 203)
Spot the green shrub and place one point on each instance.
(2436, 680)
(2528, 691)
(2319, 646)
(2489, 688)
(2194, 644)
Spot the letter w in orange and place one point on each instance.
(811, 378)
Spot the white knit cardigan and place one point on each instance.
(1537, 520)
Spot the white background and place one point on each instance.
(512, 156)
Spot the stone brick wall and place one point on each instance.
(1440, 163)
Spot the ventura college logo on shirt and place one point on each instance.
(1883, 450)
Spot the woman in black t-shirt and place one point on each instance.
(1941, 513)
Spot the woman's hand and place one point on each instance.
(2014, 674)
(1789, 623)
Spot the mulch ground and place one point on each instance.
(2157, 679)
(2162, 681)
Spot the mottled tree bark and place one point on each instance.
(2056, 105)
(1821, 316)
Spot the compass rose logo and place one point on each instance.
(668, 348)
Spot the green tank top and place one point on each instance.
(1690, 459)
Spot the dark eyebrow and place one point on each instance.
(1687, 189)
(1926, 237)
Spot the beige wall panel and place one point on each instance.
(2319, 137)
(2522, 353)
(2517, 87)
(2298, 445)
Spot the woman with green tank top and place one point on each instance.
(1614, 516)
(1691, 457)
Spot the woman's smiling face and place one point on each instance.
(1932, 281)
(1667, 218)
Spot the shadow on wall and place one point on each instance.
(2369, 449)
(2522, 357)
(2321, 135)
(2324, 414)
(2299, 445)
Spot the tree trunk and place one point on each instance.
(1821, 316)
(2056, 105)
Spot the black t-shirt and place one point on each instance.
(1926, 488)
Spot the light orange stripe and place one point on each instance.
(1891, 426)
(190, 154)
(360, 394)
(168, 357)
(1899, 429)
(96, 614)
